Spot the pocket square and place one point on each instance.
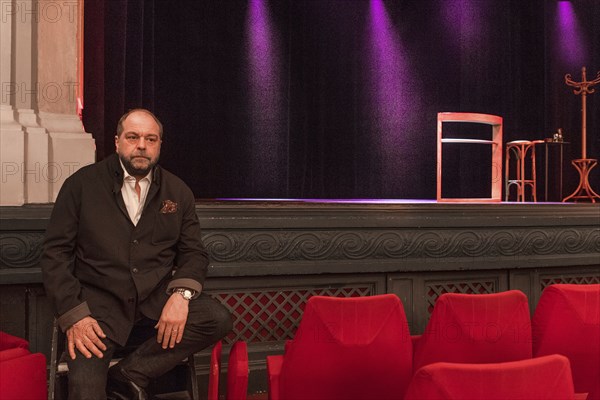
(168, 207)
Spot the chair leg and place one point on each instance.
(193, 389)
(533, 174)
(522, 171)
(55, 353)
(506, 175)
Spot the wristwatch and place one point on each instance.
(187, 294)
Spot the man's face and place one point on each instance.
(138, 146)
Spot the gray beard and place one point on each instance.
(133, 171)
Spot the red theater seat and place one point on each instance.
(476, 328)
(22, 374)
(237, 372)
(538, 378)
(345, 348)
(567, 321)
(214, 371)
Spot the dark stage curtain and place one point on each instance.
(336, 98)
(119, 65)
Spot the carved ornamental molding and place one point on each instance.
(22, 250)
(248, 246)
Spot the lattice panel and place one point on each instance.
(433, 291)
(273, 315)
(579, 280)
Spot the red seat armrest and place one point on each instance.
(237, 372)
(10, 354)
(274, 364)
(8, 341)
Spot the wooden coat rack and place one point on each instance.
(583, 165)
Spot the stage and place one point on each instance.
(269, 256)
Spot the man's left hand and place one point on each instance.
(172, 321)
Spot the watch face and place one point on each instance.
(187, 294)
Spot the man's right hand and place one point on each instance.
(85, 335)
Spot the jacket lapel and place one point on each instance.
(117, 174)
(154, 187)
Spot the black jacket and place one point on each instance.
(97, 262)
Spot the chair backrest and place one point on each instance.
(349, 348)
(22, 373)
(567, 321)
(495, 122)
(476, 328)
(537, 378)
(23, 377)
(214, 371)
(8, 341)
(237, 372)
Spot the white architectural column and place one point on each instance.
(43, 139)
(26, 15)
(12, 140)
(70, 147)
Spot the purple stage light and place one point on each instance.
(390, 74)
(393, 97)
(264, 95)
(464, 21)
(260, 51)
(569, 38)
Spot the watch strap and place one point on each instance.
(187, 294)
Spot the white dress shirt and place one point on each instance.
(133, 202)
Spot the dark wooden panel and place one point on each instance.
(533, 281)
(13, 310)
(41, 317)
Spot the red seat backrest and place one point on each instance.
(22, 374)
(567, 321)
(349, 348)
(538, 378)
(476, 328)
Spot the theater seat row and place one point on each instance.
(23, 374)
(474, 346)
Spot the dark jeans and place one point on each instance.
(208, 321)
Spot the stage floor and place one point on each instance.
(367, 201)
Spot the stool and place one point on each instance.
(58, 367)
(521, 151)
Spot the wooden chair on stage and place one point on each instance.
(496, 151)
(522, 152)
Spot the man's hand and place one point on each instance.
(172, 321)
(85, 334)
